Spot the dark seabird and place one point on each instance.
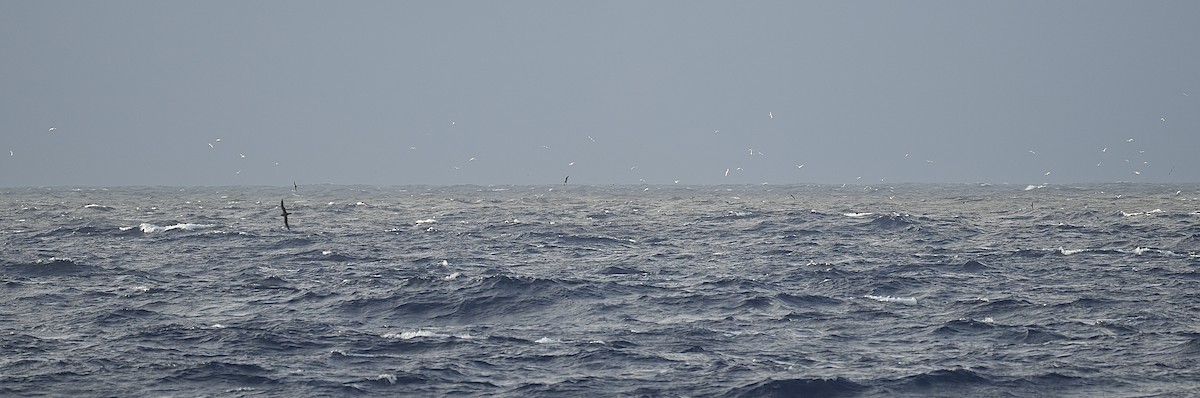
(565, 180)
(285, 214)
(295, 187)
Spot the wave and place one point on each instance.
(836, 387)
(587, 240)
(53, 266)
(891, 299)
(270, 283)
(125, 315)
(944, 379)
(975, 266)
(323, 254)
(220, 373)
(419, 333)
(807, 300)
(964, 327)
(893, 221)
(619, 270)
(1189, 348)
(1034, 335)
(151, 228)
(1141, 213)
(73, 231)
(479, 299)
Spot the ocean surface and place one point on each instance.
(565, 290)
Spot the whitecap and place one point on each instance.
(546, 340)
(151, 228)
(426, 221)
(1068, 252)
(1144, 250)
(857, 215)
(412, 335)
(890, 299)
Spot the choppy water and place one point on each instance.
(916, 290)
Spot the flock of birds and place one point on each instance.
(1135, 165)
(751, 151)
(284, 213)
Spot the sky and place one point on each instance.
(218, 93)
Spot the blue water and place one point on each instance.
(661, 291)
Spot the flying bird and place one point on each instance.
(770, 115)
(294, 188)
(52, 129)
(285, 214)
(565, 180)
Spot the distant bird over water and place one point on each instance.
(285, 214)
(294, 188)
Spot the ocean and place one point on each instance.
(634, 291)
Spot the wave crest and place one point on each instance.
(151, 228)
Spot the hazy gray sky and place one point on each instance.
(407, 92)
